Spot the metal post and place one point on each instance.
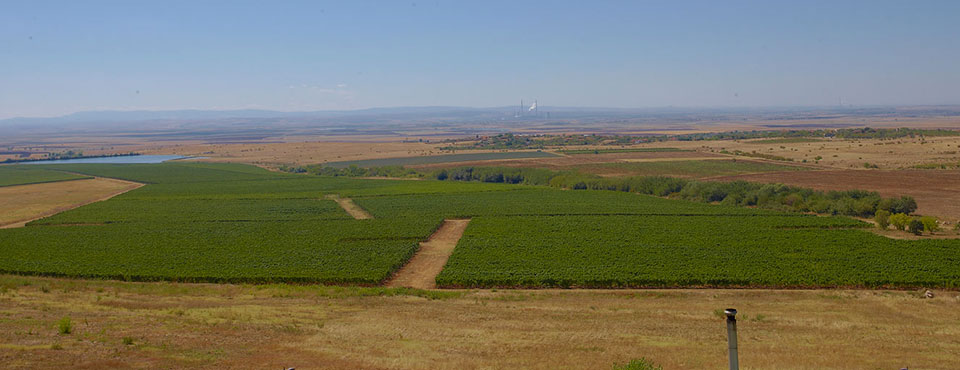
(732, 337)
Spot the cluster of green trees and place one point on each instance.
(904, 222)
(353, 171)
(858, 203)
(507, 175)
(65, 155)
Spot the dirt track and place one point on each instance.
(937, 191)
(421, 272)
(352, 208)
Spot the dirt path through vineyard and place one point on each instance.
(352, 208)
(422, 270)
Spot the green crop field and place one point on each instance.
(236, 223)
(445, 158)
(676, 251)
(222, 223)
(687, 168)
(539, 201)
(24, 175)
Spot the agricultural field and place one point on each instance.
(567, 162)
(687, 168)
(679, 251)
(21, 175)
(619, 150)
(786, 140)
(538, 201)
(168, 231)
(23, 203)
(237, 223)
(846, 154)
(445, 158)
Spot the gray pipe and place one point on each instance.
(732, 337)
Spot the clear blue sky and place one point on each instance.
(67, 56)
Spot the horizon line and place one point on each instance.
(691, 107)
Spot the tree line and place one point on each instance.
(859, 203)
(781, 197)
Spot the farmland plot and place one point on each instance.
(233, 223)
(24, 175)
(446, 158)
(540, 201)
(331, 252)
(222, 223)
(671, 251)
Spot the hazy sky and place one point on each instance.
(62, 57)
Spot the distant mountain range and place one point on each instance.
(444, 113)
(195, 114)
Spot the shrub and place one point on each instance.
(882, 218)
(64, 326)
(930, 223)
(916, 227)
(900, 221)
(903, 205)
(641, 364)
(128, 341)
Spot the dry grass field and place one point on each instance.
(299, 153)
(842, 154)
(171, 325)
(24, 203)
(571, 161)
(296, 150)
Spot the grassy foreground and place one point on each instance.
(174, 325)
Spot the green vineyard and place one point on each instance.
(25, 175)
(237, 223)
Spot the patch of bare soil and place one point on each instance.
(422, 270)
(893, 233)
(904, 235)
(26, 203)
(937, 191)
(352, 208)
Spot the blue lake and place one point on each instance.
(120, 159)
